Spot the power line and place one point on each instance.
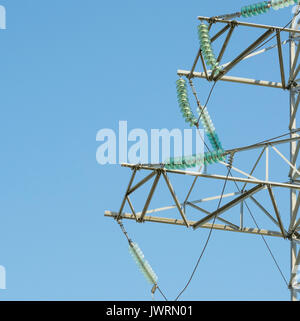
(207, 101)
(206, 243)
(288, 133)
(263, 238)
(160, 291)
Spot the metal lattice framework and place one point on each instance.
(251, 185)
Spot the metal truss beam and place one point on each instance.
(252, 47)
(199, 54)
(219, 177)
(208, 213)
(141, 218)
(212, 198)
(276, 210)
(225, 44)
(128, 188)
(173, 221)
(280, 58)
(229, 205)
(264, 210)
(247, 24)
(142, 182)
(270, 142)
(218, 34)
(254, 166)
(175, 199)
(241, 80)
(131, 207)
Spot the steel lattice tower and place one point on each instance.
(287, 230)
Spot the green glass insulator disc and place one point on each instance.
(182, 95)
(254, 10)
(249, 11)
(244, 12)
(206, 47)
(204, 36)
(181, 87)
(208, 159)
(259, 7)
(203, 26)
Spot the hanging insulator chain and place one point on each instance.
(205, 44)
(202, 111)
(140, 260)
(195, 160)
(258, 8)
(255, 9)
(209, 128)
(205, 158)
(184, 104)
(265, 6)
(144, 266)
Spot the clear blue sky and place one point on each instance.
(70, 68)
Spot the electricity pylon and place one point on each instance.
(288, 230)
